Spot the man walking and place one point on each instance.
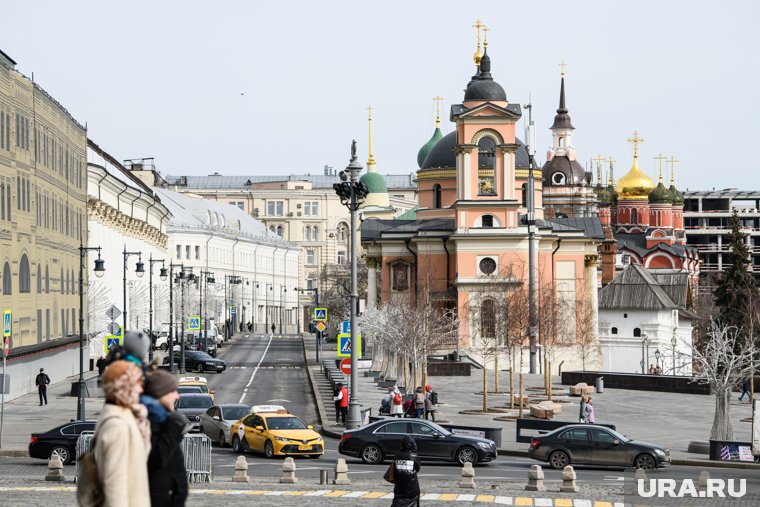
(42, 382)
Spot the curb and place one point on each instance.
(14, 453)
(317, 399)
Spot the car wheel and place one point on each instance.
(467, 455)
(559, 460)
(371, 454)
(237, 445)
(645, 461)
(222, 442)
(63, 452)
(269, 449)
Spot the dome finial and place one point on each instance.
(599, 159)
(437, 100)
(562, 65)
(635, 140)
(611, 177)
(485, 36)
(478, 54)
(371, 159)
(660, 157)
(673, 163)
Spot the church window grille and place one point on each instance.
(488, 319)
(400, 276)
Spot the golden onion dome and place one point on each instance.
(635, 184)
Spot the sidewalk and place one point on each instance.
(670, 419)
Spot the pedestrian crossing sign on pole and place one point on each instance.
(320, 314)
(194, 323)
(7, 326)
(111, 340)
(344, 344)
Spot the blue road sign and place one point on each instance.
(344, 344)
(233, 311)
(345, 327)
(194, 324)
(320, 314)
(7, 324)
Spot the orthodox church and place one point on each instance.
(469, 237)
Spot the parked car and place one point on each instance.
(192, 405)
(381, 440)
(198, 361)
(61, 440)
(590, 444)
(270, 429)
(202, 343)
(217, 421)
(196, 384)
(162, 342)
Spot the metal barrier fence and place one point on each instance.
(195, 448)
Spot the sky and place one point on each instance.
(249, 87)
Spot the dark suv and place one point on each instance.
(198, 361)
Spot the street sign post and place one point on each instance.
(320, 314)
(321, 326)
(345, 366)
(344, 344)
(113, 312)
(194, 323)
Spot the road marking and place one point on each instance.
(250, 381)
(614, 478)
(280, 400)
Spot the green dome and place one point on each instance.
(676, 195)
(375, 183)
(613, 194)
(428, 146)
(603, 194)
(660, 195)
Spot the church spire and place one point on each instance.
(562, 119)
(371, 159)
(478, 54)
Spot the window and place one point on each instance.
(436, 196)
(486, 221)
(487, 266)
(394, 427)
(634, 216)
(275, 208)
(280, 231)
(197, 252)
(315, 233)
(637, 332)
(400, 277)
(486, 173)
(342, 232)
(7, 280)
(187, 252)
(60, 283)
(311, 257)
(179, 251)
(602, 436)
(341, 257)
(241, 205)
(488, 319)
(307, 233)
(24, 283)
(311, 208)
(421, 429)
(524, 195)
(613, 330)
(39, 279)
(47, 280)
(577, 434)
(311, 282)
(558, 178)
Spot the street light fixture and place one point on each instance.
(673, 342)
(139, 271)
(352, 193)
(657, 357)
(99, 271)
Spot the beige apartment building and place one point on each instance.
(43, 219)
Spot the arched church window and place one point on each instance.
(436, 196)
(486, 166)
(24, 275)
(634, 216)
(486, 221)
(561, 142)
(636, 332)
(342, 232)
(613, 330)
(558, 178)
(488, 319)
(400, 277)
(7, 280)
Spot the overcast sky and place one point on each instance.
(283, 87)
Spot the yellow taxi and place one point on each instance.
(271, 430)
(195, 385)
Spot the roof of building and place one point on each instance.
(320, 181)
(732, 193)
(98, 156)
(482, 86)
(591, 226)
(442, 155)
(374, 229)
(562, 119)
(194, 213)
(575, 174)
(634, 184)
(408, 215)
(374, 182)
(637, 243)
(636, 288)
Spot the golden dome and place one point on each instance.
(634, 184)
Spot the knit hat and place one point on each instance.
(119, 380)
(428, 387)
(159, 383)
(115, 370)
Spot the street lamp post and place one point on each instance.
(162, 276)
(268, 287)
(282, 305)
(657, 355)
(206, 277)
(352, 194)
(99, 270)
(644, 355)
(187, 277)
(139, 271)
(315, 290)
(673, 342)
(530, 140)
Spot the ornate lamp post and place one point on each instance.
(163, 275)
(99, 271)
(139, 271)
(644, 355)
(172, 281)
(673, 342)
(352, 193)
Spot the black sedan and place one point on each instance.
(198, 361)
(61, 440)
(381, 440)
(589, 444)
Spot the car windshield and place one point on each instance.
(285, 423)
(195, 402)
(235, 413)
(189, 389)
(203, 356)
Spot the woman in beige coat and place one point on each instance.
(122, 438)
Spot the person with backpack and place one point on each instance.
(419, 403)
(397, 403)
(431, 400)
(405, 466)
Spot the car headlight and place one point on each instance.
(210, 363)
(281, 439)
(659, 452)
(485, 445)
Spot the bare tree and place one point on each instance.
(587, 344)
(335, 288)
(722, 362)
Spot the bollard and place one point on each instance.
(639, 475)
(535, 479)
(468, 477)
(704, 477)
(288, 472)
(323, 476)
(55, 469)
(568, 480)
(241, 470)
(341, 473)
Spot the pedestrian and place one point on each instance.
(651, 369)
(590, 417)
(250, 327)
(337, 396)
(101, 364)
(657, 370)
(431, 400)
(746, 390)
(167, 476)
(343, 402)
(122, 438)
(273, 328)
(42, 381)
(419, 403)
(397, 403)
(406, 465)
(583, 412)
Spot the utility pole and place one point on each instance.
(530, 140)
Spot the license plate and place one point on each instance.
(304, 447)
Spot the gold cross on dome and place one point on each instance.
(673, 163)
(562, 65)
(611, 176)
(369, 113)
(660, 157)
(437, 100)
(478, 25)
(485, 36)
(599, 159)
(635, 140)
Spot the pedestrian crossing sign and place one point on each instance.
(7, 326)
(111, 340)
(344, 345)
(194, 323)
(320, 314)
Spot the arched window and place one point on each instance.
(311, 282)
(400, 277)
(436, 196)
(488, 319)
(279, 230)
(342, 232)
(614, 330)
(24, 276)
(315, 233)
(47, 280)
(7, 280)
(486, 152)
(486, 221)
(39, 278)
(634, 216)
(636, 332)
(307, 233)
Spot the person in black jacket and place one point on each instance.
(42, 382)
(406, 464)
(166, 465)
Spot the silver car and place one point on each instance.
(217, 420)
